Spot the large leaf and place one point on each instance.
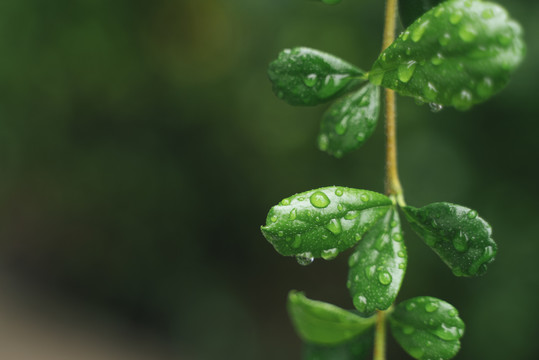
(377, 265)
(459, 53)
(350, 121)
(410, 10)
(427, 328)
(303, 76)
(457, 234)
(323, 222)
(322, 323)
(358, 348)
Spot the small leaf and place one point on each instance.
(323, 323)
(377, 265)
(460, 237)
(323, 222)
(358, 348)
(410, 10)
(427, 328)
(458, 54)
(303, 76)
(350, 121)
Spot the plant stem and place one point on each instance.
(393, 185)
(380, 337)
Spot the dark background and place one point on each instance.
(141, 148)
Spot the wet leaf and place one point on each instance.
(322, 323)
(427, 328)
(323, 222)
(377, 265)
(457, 234)
(358, 348)
(410, 10)
(459, 53)
(350, 121)
(303, 76)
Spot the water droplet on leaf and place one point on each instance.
(406, 71)
(319, 200)
(305, 259)
(435, 108)
(310, 80)
(329, 254)
(361, 303)
(385, 278)
(431, 307)
(334, 226)
(293, 214)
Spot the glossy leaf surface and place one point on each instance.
(350, 121)
(322, 323)
(411, 10)
(427, 328)
(323, 222)
(358, 348)
(377, 266)
(458, 54)
(457, 234)
(303, 76)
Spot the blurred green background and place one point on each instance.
(141, 148)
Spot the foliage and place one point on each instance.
(454, 53)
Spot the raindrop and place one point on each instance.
(401, 254)
(385, 278)
(467, 33)
(431, 307)
(397, 237)
(402, 266)
(430, 91)
(340, 207)
(453, 312)
(334, 226)
(285, 202)
(351, 215)
(274, 218)
(408, 330)
(341, 127)
(418, 32)
(370, 271)
(360, 136)
(329, 254)
(358, 237)
(293, 214)
(406, 71)
(297, 241)
(447, 333)
(472, 214)
(463, 100)
(353, 259)
(339, 192)
(361, 303)
(405, 35)
(393, 223)
(487, 14)
(364, 197)
(444, 39)
(455, 17)
(410, 306)
(439, 12)
(323, 142)
(280, 233)
(416, 352)
(437, 60)
(435, 108)
(305, 259)
(319, 200)
(310, 80)
(484, 88)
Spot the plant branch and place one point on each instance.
(380, 337)
(393, 185)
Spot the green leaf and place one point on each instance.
(323, 222)
(359, 348)
(427, 328)
(377, 265)
(303, 76)
(460, 237)
(323, 323)
(458, 54)
(350, 121)
(410, 10)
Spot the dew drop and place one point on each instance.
(401, 254)
(393, 223)
(361, 303)
(285, 202)
(408, 330)
(453, 312)
(397, 237)
(323, 142)
(410, 306)
(341, 127)
(437, 60)
(402, 266)
(431, 307)
(472, 214)
(319, 200)
(430, 91)
(353, 259)
(305, 259)
(293, 214)
(360, 136)
(416, 352)
(357, 237)
(351, 215)
(334, 226)
(484, 88)
(405, 35)
(435, 108)
(447, 333)
(406, 71)
(463, 100)
(310, 80)
(339, 192)
(487, 14)
(444, 39)
(340, 207)
(439, 12)
(364, 197)
(418, 32)
(455, 17)
(370, 271)
(385, 278)
(274, 219)
(460, 243)
(467, 33)
(297, 241)
(329, 254)
(280, 233)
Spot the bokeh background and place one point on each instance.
(141, 148)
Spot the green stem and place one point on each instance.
(380, 337)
